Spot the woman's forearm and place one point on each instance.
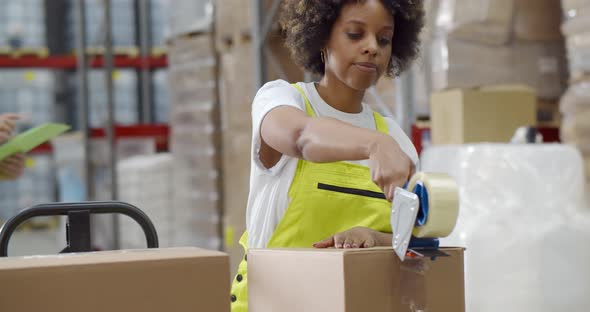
(329, 140)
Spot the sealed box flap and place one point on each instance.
(508, 88)
(105, 257)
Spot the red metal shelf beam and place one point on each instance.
(159, 132)
(69, 62)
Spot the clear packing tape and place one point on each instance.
(413, 290)
(442, 206)
(525, 223)
(435, 217)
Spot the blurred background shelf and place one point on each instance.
(70, 62)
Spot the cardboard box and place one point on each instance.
(539, 65)
(237, 87)
(236, 185)
(188, 49)
(573, 4)
(351, 280)
(489, 114)
(497, 22)
(538, 20)
(176, 279)
(482, 21)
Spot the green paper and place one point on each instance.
(31, 138)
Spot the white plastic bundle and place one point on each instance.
(524, 223)
(146, 182)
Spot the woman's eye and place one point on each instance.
(384, 41)
(354, 36)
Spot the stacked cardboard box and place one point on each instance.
(576, 28)
(354, 280)
(236, 92)
(575, 126)
(475, 43)
(490, 114)
(189, 16)
(575, 104)
(194, 140)
(237, 87)
(150, 280)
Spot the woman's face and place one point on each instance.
(359, 47)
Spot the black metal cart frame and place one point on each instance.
(78, 230)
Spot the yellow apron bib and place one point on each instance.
(325, 199)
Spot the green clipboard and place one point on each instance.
(31, 138)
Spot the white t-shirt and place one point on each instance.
(268, 199)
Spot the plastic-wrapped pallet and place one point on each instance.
(125, 96)
(194, 141)
(69, 156)
(524, 223)
(122, 27)
(30, 92)
(36, 186)
(190, 17)
(146, 182)
(22, 24)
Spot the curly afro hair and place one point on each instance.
(307, 25)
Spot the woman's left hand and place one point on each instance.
(357, 237)
(12, 167)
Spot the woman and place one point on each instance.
(13, 166)
(324, 165)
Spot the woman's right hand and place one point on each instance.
(389, 164)
(7, 125)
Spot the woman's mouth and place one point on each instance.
(366, 67)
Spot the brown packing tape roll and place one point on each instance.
(443, 203)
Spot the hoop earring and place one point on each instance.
(323, 56)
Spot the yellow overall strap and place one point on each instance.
(308, 108)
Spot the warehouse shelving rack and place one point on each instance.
(145, 61)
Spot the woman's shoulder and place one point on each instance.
(278, 85)
(278, 92)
